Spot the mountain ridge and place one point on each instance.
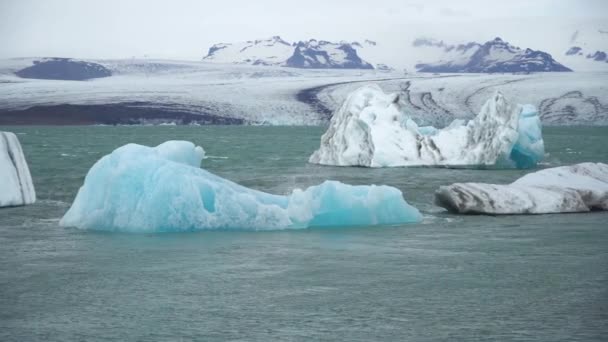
(492, 56)
(313, 54)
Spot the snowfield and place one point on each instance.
(181, 92)
(273, 51)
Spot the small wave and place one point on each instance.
(215, 157)
(53, 203)
(431, 219)
(67, 155)
(50, 220)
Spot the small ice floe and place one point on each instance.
(565, 189)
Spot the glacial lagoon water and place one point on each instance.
(464, 278)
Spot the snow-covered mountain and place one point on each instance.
(272, 51)
(326, 55)
(311, 54)
(598, 56)
(374, 53)
(493, 56)
(588, 50)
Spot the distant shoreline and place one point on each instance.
(128, 113)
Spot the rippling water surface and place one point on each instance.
(537, 278)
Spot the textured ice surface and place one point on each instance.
(530, 147)
(372, 129)
(16, 187)
(143, 189)
(251, 94)
(269, 95)
(565, 189)
(562, 98)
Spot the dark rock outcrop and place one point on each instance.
(64, 69)
(599, 56)
(575, 50)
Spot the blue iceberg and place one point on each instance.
(163, 189)
(529, 149)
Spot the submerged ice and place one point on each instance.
(371, 129)
(16, 187)
(161, 189)
(566, 189)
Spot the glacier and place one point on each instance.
(163, 189)
(16, 186)
(275, 95)
(565, 189)
(372, 129)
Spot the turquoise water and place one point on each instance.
(537, 278)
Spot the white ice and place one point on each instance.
(565, 189)
(163, 189)
(373, 129)
(16, 187)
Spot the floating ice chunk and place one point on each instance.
(181, 152)
(161, 189)
(16, 187)
(371, 129)
(565, 189)
(336, 204)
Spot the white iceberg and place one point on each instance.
(16, 187)
(372, 129)
(163, 189)
(565, 189)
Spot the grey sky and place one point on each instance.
(186, 28)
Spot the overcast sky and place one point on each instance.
(186, 28)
